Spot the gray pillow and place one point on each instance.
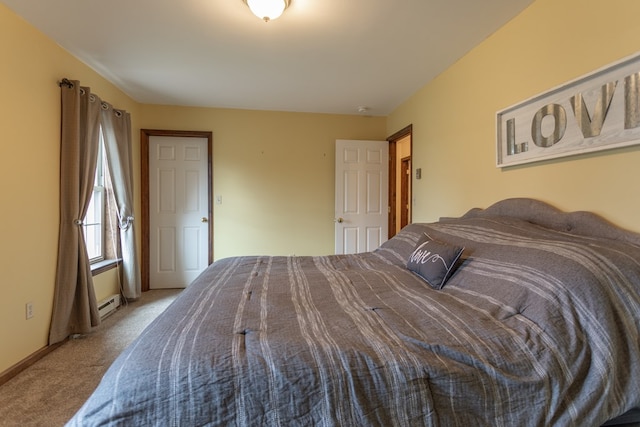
(434, 260)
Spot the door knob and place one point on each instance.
(339, 220)
(204, 219)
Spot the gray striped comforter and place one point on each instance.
(537, 327)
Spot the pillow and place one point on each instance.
(434, 261)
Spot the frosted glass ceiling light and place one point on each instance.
(267, 9)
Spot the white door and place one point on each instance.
(361, 207)
(178, 210)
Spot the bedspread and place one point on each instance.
(536, 327)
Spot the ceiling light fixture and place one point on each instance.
(267, 10)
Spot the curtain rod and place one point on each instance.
(105, 105)
(65, 82)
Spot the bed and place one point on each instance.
(514, 315)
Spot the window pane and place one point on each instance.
(93, 237)
(93, 212)
(93, 225)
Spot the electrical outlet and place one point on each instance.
(29, 310)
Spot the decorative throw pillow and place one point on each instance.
(434, 261)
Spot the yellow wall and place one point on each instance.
(454, 116)
(106, 284)
(274, 172)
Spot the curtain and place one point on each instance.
(116, 125)
(74, 304)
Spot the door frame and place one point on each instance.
(393, 196)
(405, 192)
(145, 134)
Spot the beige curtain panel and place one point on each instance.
(74, 305)
(116, 128)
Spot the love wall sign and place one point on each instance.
(596, 112)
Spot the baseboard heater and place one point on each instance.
(108, 305)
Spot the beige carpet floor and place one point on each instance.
(50, 391)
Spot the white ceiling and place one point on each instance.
(323, 56)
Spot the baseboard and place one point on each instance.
(25, 363)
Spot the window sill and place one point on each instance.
(102, 266)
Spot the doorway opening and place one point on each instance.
(400, 173)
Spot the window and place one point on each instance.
(94, 221)
(99, 225)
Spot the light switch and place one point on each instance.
(218, 199)
(418, 173)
